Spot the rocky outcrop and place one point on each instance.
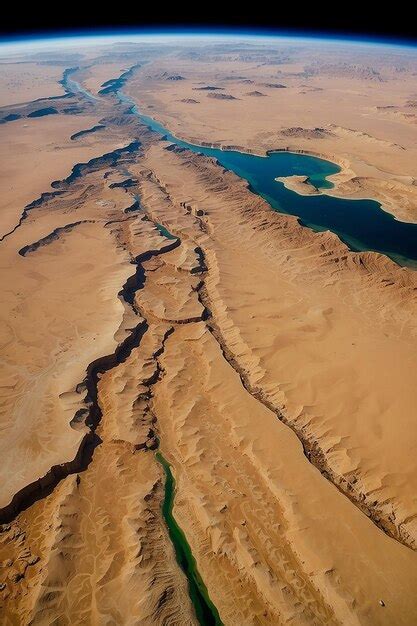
(88, 131)
(53, 236)
(221, 96)
(256, 94)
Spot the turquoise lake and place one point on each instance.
(361, 224)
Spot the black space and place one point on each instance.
(341, 17)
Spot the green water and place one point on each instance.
(164, 231)
(206, 612)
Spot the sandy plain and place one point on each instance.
(285, 405)
(24, 82)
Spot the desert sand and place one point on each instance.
(153, 303)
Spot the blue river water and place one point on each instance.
(361, 224)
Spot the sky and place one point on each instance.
(357, 19)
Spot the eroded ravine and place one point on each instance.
(78, 170)
(206, 612)
(92, 414)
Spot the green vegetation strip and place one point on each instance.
(206, 612)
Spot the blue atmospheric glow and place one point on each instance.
(146, 34)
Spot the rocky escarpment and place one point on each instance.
(113, 85)
(208, 88)
(79, 170)
(306, 133)
(66, 104)
(53, 236)
(88, 131)
(256, 94)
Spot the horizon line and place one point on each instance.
(188, 31)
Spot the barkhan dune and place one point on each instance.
(154, 305)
